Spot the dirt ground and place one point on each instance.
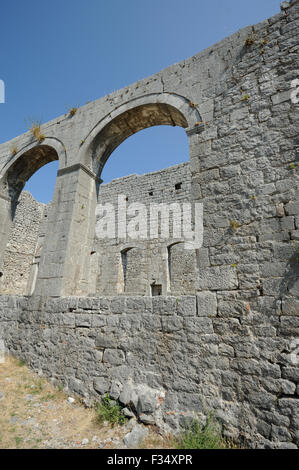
(36, 415)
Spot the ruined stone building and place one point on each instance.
(168, 331)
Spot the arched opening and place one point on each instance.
(141, 270)
(22, 234)
(41, 185)
(128, 123)
(149, 150)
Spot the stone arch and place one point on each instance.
(24, 164)
(13, 178)
(151, 110)
(51, 142)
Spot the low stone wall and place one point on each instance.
(169, 358)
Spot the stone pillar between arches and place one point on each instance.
(65, 259)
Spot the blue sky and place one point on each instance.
(57, 54)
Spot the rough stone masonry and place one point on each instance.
(228, 341)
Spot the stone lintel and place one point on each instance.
(196, 129)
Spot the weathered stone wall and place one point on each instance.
(168, 358)
(148, 262)
(132, 266)
(232, 348)
(233, 99)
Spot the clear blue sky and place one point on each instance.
(61, 53)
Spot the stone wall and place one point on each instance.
(133, 266)
(233, 99)
(118, 266)
(168, 358)
(232, 347)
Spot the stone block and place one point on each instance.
(292, 208)
(281, 97)
(206, 304)
(101, 385)
(105, 340)
(118, 305)
(171, 324)
(186, 306)
(139, 305)
(217, 278)
(164, 305)
(83, 319)
(115, 357)
(199, 325)
(134, 437)
(290, 306)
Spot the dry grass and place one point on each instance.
(234, 225)
(72, 111)
(13, 150)
(155, 441)
(34, 414)
(46, 419)
(35, 129)
(250, 40)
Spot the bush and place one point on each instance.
(108, 410)
(35, 130)
(199, 437)
(72, 111)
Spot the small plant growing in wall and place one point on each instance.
(35, 129)
(245, 98)
(293, 165)
(234, 225)
(109, 410)
(264, 42)
(72, 111)
(250, 40)
(13, 150)
(197, 436)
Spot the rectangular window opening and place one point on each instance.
(156, 289)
